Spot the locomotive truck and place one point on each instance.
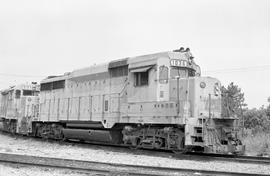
(156, 101)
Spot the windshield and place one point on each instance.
(181, 72)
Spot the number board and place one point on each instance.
(179, 63)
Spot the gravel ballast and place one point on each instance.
(30, 146)
(15, 170)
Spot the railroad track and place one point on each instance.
(107, 168)
(230, 158)
(165, 154)
(187, 156)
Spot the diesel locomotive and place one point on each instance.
(156, 101)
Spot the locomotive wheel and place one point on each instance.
(136, 144)
(183, 148)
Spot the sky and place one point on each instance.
(230, 39)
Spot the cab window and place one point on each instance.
(163, 74)
(141, 75)
(141, 78)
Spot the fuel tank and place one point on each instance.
(114, 137)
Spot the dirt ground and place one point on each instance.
(14, 170)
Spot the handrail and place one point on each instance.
(123, 88)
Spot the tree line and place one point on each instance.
(233, 105)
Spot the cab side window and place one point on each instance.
(141, 75)
(141, 78)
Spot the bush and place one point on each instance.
(257, 144)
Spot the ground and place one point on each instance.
(14, 170)
(31, 146)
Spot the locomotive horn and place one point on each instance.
(181, 49)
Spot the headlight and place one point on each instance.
(202, 85)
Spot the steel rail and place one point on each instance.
(162, 153)
(90, 166)
(228, 157)
(187, 156)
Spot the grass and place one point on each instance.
(257, 144)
